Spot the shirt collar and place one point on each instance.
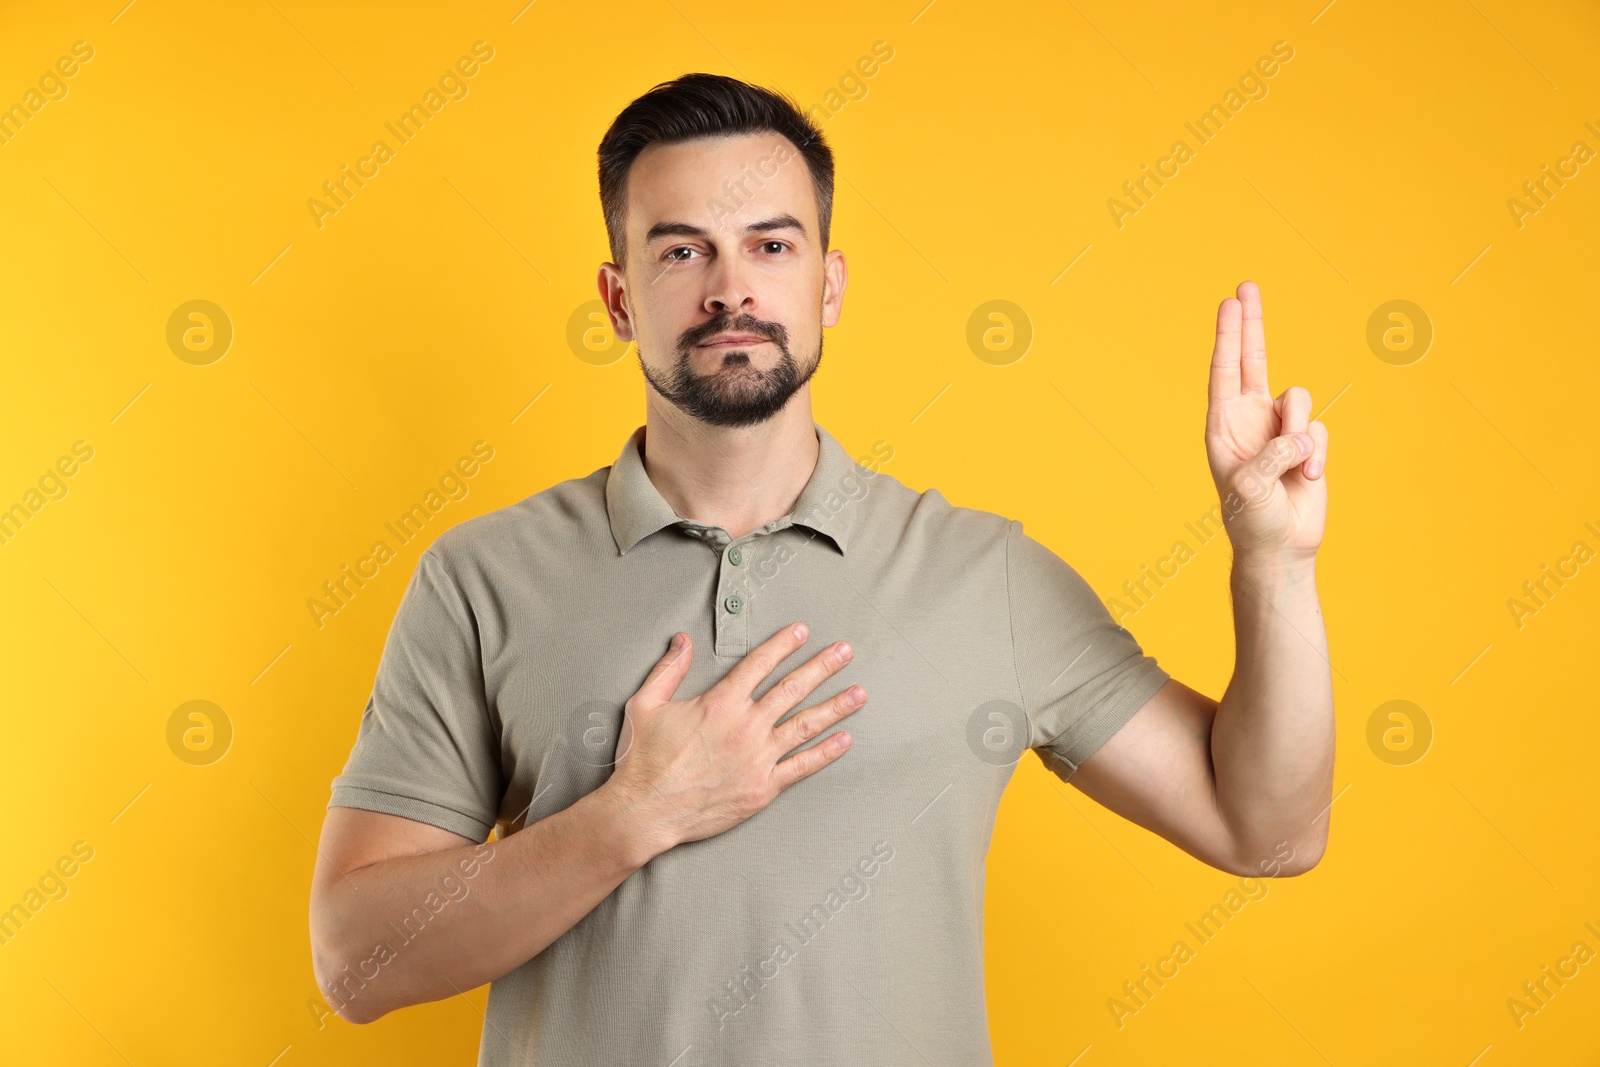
(637, 509)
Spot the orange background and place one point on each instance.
(432, 311)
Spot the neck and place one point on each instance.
(737, 477)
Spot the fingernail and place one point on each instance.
(677, 642)
(800, 631)
(845, 651)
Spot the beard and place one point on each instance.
(738, 393)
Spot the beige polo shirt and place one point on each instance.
(842, 924)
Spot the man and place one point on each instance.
(692, 866)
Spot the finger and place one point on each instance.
(1254, 480)
(1319, 454)
(661, 684)
(1253, 349)
(809, 761)
(804, 725)
(761, 661)
(1224, 383)
(1293, 406)
(798, 683)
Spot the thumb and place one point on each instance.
(664, 678)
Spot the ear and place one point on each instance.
(834, 276)
(613, 294)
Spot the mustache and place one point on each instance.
(743, 323)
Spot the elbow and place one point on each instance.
(1306, 859)
(1293, 869)
(351, 1014)
(347, 994)
(1283, 859)
(1307, 852)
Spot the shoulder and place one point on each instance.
(926, 521)
(559, 517)
(936, 532)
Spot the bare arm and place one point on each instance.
(403, 912)
(1273, 741)
(1243, 785)
(1246, 784)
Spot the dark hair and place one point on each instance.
(704, 105)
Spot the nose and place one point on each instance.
(728, 290)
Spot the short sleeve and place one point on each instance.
(1081, 674)
(428, 748)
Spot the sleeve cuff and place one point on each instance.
(355, 796)
(1087, 736)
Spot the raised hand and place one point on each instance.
(1267, 455)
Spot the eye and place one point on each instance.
(672, 255)
(767, 244)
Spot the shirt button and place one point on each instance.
(733, 603)
(735, 556)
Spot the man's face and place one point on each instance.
(727, 288)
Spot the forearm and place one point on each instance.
(1272, 741)
(419, 928)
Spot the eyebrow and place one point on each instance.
(684, 229)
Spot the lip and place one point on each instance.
(734, 340)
